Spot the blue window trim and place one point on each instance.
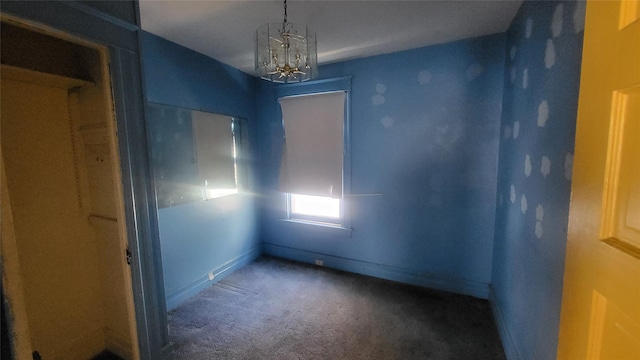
(343, 227)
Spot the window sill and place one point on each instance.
(317, 228)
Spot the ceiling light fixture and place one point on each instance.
(285, 54)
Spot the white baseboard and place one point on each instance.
(221, 271)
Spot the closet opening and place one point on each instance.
(65, 275)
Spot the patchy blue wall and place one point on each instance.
(424, 138)
(198, 237)
(543, 51)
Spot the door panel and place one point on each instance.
(601, 297)
(621, 202)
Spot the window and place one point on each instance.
(315, 163)
(215, 153)
(313, 207)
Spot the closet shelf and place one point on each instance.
(40, 78)
(97, 219)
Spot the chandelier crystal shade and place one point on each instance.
(285, 53)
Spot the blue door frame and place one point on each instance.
(122, 40)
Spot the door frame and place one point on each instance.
(76, 20)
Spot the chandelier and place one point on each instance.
(284, 53)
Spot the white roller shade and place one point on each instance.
(214, 150)
(312, 159)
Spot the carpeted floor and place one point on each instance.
(277, 309)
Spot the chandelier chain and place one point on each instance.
(285, 12)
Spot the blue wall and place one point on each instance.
(543, 51)
(199, 237)
(424, 136)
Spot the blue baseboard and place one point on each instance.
(220, 272)
(510, 350)
(433, 281)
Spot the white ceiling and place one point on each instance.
(225, 30)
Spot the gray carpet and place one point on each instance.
(277, 309)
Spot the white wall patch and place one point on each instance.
(538, 229)
(386, 122)
(556, 22)
(539, 213)
(377, 99)
(474, 71)
(523, 204)
(568, 166)
(578, 16)
(529, 28)
(549, 54)
(527, 165)
(424, 77)
(539, 218)
(543, 113)
(516, 129)
(525, 78)
(545, 167)
(512, 196)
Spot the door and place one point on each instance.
(601, 297)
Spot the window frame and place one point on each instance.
(342, 226)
